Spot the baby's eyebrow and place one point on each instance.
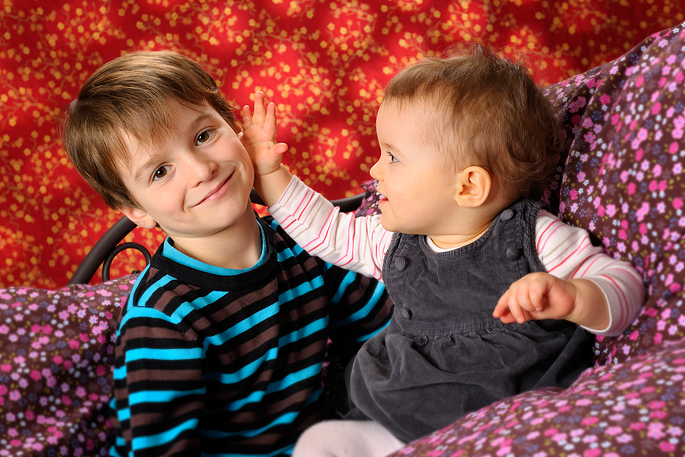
(390, 146)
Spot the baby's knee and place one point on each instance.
(318, 441)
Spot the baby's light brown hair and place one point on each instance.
(488, 112)
(131, 95)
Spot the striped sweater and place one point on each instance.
(360, 244)
(218, 362)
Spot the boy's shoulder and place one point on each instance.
(274, 231)
(170, 276)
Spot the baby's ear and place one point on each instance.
(139, 217)
(473, 187)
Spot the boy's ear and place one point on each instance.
(473, 187)
(139, 217)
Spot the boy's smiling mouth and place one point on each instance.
(217, 192)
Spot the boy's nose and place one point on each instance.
(203, 169)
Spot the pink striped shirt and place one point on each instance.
(359, 244)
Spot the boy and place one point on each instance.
(220, 346)
(487, 285)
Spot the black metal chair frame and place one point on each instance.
(108, 246)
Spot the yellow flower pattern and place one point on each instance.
(324, 62)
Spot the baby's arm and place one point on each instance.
(356, 244)
(583, 285)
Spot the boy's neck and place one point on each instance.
(236, 248)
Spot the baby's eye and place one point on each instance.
(160, 173)
(203, 137)
(393, 159)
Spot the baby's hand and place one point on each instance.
(536, 296)
(259, 136)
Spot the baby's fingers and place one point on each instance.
(508, 309)
(502, 306)
(259, 108)
(247, 117)
(270, 121)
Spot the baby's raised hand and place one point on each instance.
(259, 136)
(536, 296)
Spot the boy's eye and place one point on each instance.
(203, 137)
(160, 173)
(393, 159)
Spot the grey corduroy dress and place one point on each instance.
(444, 355)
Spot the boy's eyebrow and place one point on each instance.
(203, 117)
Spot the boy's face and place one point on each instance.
(196, 183)
(416, 188)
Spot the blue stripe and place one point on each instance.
(287, 418)
(284, 383)
(199, 303)
(254, 397)
(133, 355)
(246, 324)
(159, 284)
(160, 396)
(118, 441)
(251, 368)
(344, 284)
(124, 414)
(244, 372)
(300, 290)
(168, 436)
(303, 332)
(289, 253)
(293, 378)
(129, 303)
(314, 396)
(363, 338)
(363, 312)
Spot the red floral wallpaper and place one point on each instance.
(325, 63)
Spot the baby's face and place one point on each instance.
(197, 182)
(416, 188)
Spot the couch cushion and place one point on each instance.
(613, 410)
(56, 369)
(623, 178)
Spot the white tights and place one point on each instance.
(338, 438)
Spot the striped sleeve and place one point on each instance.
(362, 305)
(567, 253)
(158, 403)
(356, 244)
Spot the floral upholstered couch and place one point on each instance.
(621, 178)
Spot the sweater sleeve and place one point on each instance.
(362, 305)
(357, 244)
(158, 385)
(567, 253)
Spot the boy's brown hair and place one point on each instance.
(489, 113)
(131, 95)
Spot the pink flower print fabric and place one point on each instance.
(56, 368)
(619, 410)
(622, 177)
